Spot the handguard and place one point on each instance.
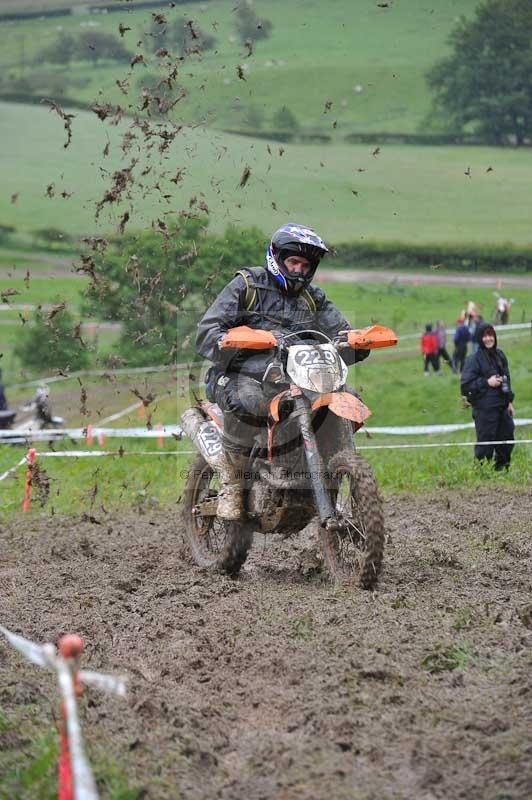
(246, 338)
(372, 337)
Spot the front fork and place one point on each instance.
(318, 483)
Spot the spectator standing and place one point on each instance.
(3, 400)
(502, 309)
(441, 336)
(461, 339)
(487, 386)
(429, 350)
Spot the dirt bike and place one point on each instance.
(42, 419)
(302, 465)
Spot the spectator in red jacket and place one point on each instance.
(429, 350)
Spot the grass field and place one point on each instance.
(369, 62)
(414, 194)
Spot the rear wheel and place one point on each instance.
(355, 549)
(215, 543)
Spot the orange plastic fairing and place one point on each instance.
(247, 338)
(344, 404)
(372, 337)
(214, 411)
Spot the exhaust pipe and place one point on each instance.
(205, 435)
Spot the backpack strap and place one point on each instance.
(310, 301)
(251, 293)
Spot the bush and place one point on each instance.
(160, 98)
(42, 81)
(52, 236)
(95, 46)
(251, 27)
(159, 287)
(5, 232)
(253, 118)
(89, 45)
(189, 37)
(51, 343)
(62, 51)
(285, 120)
(399, 255)
(184, 33)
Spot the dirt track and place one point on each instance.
(280, 685)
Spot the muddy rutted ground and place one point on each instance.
(280, 685)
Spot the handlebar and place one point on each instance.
(246, 338)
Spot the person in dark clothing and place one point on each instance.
(428, 344)
(462, 337)
(487, 386)
(475, 326)
(3, 400)
(278, 297)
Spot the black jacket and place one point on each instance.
(271, 309)
(478, 368)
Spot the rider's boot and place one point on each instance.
(231, 483)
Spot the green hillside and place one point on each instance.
(367, 61)
(405, 193)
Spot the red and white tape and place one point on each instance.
(75, 779)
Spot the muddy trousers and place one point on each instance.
(245, 406)
(494, 424)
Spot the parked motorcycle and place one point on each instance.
(7, 418)
(302, 465)
(41, 419)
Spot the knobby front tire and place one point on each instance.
(356, 551)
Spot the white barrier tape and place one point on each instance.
(128, 410)
(118, 453)
(46, 656)
(53, 434)
(105, 683)
(123, 454)
(176, 432)
(438, 444)
(10, 471)
(410, 430)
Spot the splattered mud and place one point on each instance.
(280, 685)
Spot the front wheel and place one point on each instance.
(215, 543)
(355, 548)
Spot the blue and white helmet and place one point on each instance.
(293, 239)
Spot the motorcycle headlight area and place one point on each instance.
(316, 367)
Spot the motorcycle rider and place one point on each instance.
(279, 297)
(40, 403)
